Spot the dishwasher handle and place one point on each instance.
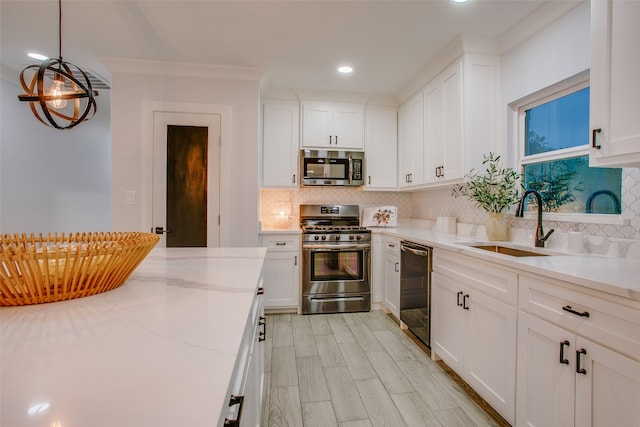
(419, 252)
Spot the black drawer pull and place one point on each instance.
(235, 400)
(260, 291)
(464, 302)
(579, 369)
(459, 304)
(263, 334)
(577, 313)
(562, 346)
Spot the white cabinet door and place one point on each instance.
(348, 126)
(546, 372)
(490, 351)
(447, 321)
(615, 86)
(608, 390)
(443, 151)
(392, 276)
(476, 336)
(381, 148)
(281, 270)
(281, 279)
(410, 144)
(280, 145)
(333, 125)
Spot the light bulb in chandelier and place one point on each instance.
(57, 93)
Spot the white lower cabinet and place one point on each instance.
(282, 271)
(476, 336)
(391, 248)
(567, 380)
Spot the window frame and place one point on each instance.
(559, 90)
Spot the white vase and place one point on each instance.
(496, 227)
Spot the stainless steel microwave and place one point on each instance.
(324, 167)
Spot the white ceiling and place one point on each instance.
(298, 44)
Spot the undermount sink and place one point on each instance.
(507, 250)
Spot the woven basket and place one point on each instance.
(40, 269)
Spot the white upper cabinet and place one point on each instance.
(332, 126)
(381, 147)
(280, 145)
(443, 126)
(444, 131)
(410, 143)
(615, 86)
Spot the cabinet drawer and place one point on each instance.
(282, 243)
(497, 282)
(605, 319)
(391, 246)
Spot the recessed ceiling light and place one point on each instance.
(459, 1)
(37, 56)
(345, 69)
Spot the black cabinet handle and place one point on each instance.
(459, 304)
(464, 302)
(579, 369)
(293, 179)
(263, 334)
(336, 139)
(260, 291)
(577, 313)
(235, 400)
(562, 346)
(594, 132)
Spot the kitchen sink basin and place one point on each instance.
(505, 250)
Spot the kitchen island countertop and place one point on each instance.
(158, 351)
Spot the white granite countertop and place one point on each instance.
(617, 276)
(157, 351)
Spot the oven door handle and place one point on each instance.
(324, 248)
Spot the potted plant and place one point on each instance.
(494, 190)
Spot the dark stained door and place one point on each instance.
(187, 186)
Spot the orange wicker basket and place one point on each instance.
(40, 269)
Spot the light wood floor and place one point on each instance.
(357, 369)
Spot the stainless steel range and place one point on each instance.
(336, 259)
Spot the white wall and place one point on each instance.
(51, 180)
(130, 91)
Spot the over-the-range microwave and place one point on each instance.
(324, 167)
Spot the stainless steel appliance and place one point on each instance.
(323, 167)
(415, 289)
(336, 259)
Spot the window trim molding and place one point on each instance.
(564, 87)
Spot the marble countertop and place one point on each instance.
(617, 276)
(157, 351)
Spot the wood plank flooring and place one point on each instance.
(357, 370)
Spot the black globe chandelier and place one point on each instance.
(59, 93)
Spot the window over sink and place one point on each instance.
(554, 155)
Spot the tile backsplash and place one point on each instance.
(429, 204)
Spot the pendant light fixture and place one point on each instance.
(59, 93)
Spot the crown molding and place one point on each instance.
(179, 69)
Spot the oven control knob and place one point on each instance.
(316, 237)
(337, 237)
(324, 237)
(359, 237)
(351, 237)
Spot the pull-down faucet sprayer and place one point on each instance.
(540, 238)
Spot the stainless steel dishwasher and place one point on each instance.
(415, 289)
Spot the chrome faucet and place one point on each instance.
(541, 238)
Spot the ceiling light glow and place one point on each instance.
(459, 1)
(345, 69)
(37, 56)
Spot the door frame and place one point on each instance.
(149, 108)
